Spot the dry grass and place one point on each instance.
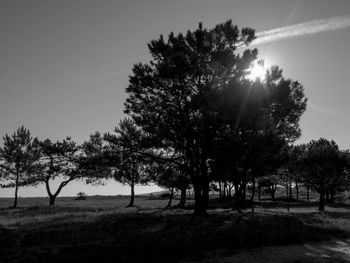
(35, 211)
(102, 229)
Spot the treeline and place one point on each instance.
(195, 120)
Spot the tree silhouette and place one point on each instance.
(69, 161)
(170, 97)
(126, 155)
(17, 158)
(94, 160)
(269, 184)
(195, 87)
(325, 167)
(170, 176)
(58, 159)
(293, 168)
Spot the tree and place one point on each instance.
(270, 184)
(68, 161)
(17, 158)
(168, 179)
(94, 160)
(58, 159)
(293, 168)
(170, 176)
(125, 149)
(195, 87)
(168, 98)
(325, 167)
(342, 182)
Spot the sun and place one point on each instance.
(257, 70)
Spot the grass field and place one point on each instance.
(101, 229)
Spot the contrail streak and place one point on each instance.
(302, 29)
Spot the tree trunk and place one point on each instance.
(259, 192)
(237, 194)
(287, 186)
(220, 197)
(16, 191)
(331, 197)
(224, 195)
(52, 199)
(182, 198)
(201, 189)
(327, 197)
(322, 201)
(171, 196)
(297, 189)
(199, 205)
(290, 190)
(253, 190)
(273, 191)
(205, 191)
(132, 196)
(244, 191)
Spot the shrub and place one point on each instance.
(81, 196)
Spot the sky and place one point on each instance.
(64, 64)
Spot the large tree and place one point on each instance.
(195, 86)
(17, 158)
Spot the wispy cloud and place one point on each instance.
(314, 107)
(302, 29)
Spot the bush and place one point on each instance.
(81, 196)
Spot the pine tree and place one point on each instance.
(18, 156)
(195, 87)
(125, 148)
(58, 159)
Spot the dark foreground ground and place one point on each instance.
(100, 229)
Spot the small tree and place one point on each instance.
(171, 177)
(125, 148)
(168, 180)
(325, 167)
(269, 183)
(81, 196)
(57, 159)
(94, 160)
(294, 168)
(17, 158)
(68, 161)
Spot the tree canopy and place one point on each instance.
(17, 158)
(195, 91)
(325, 167)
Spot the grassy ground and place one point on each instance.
(102, 229)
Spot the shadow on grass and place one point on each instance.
(135, 237)
(278, 203)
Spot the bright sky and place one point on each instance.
(64, 64)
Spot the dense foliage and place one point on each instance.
(194, 96)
